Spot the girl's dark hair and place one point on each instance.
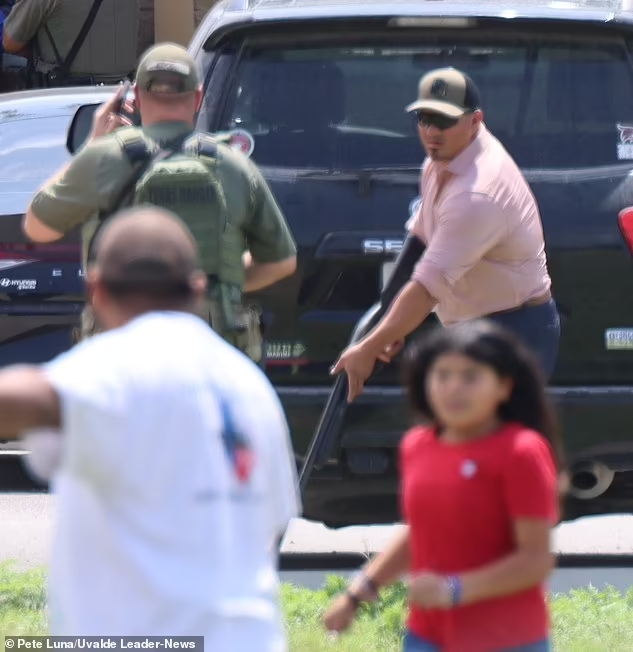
(494, 346)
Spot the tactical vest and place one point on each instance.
(182, 176)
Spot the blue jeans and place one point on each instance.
(413, 643)
(538, 327)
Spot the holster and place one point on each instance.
(245, 334)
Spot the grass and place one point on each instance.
(584, 621)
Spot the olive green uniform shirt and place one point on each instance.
(109, 52)
(99, 172)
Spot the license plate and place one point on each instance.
(387, 270)
(619, 338)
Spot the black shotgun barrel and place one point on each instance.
(330, 425)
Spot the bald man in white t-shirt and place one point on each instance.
(176, 477)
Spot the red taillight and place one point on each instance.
(54, 253)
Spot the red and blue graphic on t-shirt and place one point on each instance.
(237, 448)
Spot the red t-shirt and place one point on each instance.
(460, 501)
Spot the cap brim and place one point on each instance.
(434, 106)
(166, 82)
(165, 89)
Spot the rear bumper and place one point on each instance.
(359, 484)
(34, 332)
(588, 415)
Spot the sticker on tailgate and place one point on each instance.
(242, 141)
(618, 338)
(285, 351)
(625, 146)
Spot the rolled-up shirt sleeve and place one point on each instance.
(468, 226)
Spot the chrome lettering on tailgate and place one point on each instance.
(618, 338)
(379, 246)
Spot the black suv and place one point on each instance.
(321, 87)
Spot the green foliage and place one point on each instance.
(589, 620)
(592, 620)
(22, 591)
(22, 602)
(378, 627)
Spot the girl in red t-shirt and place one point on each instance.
(480, 495)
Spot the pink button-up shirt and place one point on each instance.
(485, 250)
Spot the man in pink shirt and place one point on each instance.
(485, 251)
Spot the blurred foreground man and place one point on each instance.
(176, 477)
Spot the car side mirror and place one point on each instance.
(82, 123)
(80, 127)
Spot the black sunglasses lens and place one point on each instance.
(440, 122)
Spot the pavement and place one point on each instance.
(26, 523)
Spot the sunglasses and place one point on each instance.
(436, 120)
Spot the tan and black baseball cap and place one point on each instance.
(447, 91)
(167, 68)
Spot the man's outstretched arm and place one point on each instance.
(27, 401)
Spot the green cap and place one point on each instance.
(167, 68)
(447, 91)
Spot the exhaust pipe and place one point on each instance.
(590, 480)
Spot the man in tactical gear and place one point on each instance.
(245, 242)
(74, 42)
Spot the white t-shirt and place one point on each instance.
(156, 534)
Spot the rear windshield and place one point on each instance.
(552, 105)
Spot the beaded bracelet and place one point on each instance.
(455, 585)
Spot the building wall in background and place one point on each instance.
(146, 21)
